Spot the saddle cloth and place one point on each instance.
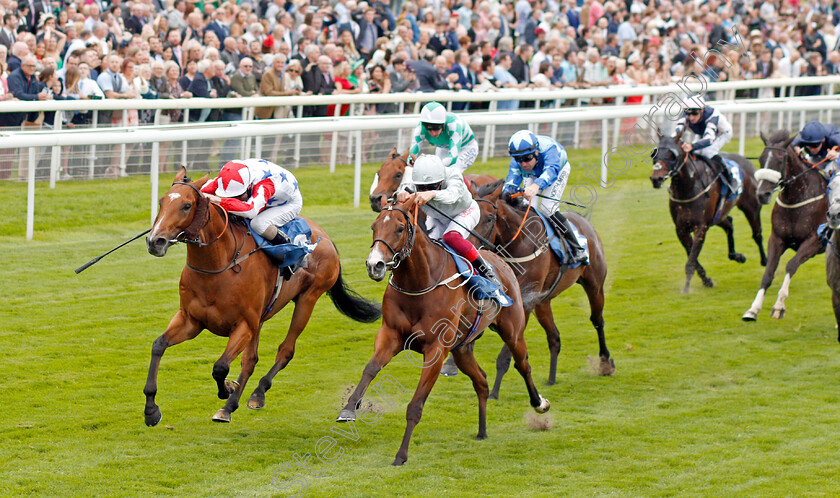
(483, 288)
(558, 244)
(737, 175)
(293, 253)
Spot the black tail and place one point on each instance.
(350, 303)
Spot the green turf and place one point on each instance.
(701, 403)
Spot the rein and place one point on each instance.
(677, 170)
(787, 181)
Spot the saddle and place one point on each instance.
(483, 288)
(558, 244)
(292, 255)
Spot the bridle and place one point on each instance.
(192, 234)
(402, 254)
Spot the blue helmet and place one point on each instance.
(523, 142)
(812, 133)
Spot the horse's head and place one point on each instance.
(393, 237)
(486, 196)
(834, 203)
(772, 162)
(387, 179)
(666, 158)
(182, 212)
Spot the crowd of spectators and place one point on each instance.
(165, 49)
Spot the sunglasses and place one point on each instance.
(294, 71)
(693, 112)
(429, 187)
(433, 127)
(525, 158)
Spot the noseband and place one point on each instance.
(402, 254)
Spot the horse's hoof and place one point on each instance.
(738, 257)
(481, 437)
(256, 402)
(708, 282)
(346, 415)
(750, 316)
(153, 418)
(763, 261)
(778, 313)
(399, 461)
(607, 366)
(685, 289)
(222, 416)
(493, 395)
(544, 406)
(449, 370)
(550, 382)
(231, 386)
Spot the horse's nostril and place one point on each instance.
(379, 266)
(160, 241)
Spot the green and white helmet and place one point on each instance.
(428, 170)
(433, 113)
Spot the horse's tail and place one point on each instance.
(351, 304)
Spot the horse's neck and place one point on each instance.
(532, 231)
(684, 181)
(422, 266)
(217, 254)
(806, 185)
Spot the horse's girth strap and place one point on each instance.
(525, 259)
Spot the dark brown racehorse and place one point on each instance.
(800, 208)
(694, 198)
(390, 175)
(228, 287)
(832, 254)
(423, 311)
(539, 271)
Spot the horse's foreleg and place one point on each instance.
(687, 241)
(286, 350)
(181, 328)
(806, 251)
(386, 346)
(835, 303)
(726, 225)
(546, 318)
(241, 338)
(693, 263)
(465, 359)
(512, 333)
(775, 248)
(433, 361)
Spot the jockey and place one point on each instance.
(444, 188)
(452, 137)
(819, 141)
(540, 166)
(714, 132)
(259, 190)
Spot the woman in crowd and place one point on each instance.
(345, 41)
(189, 75)
(379, 82)
(342, 86)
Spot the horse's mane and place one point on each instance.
(489, 188)
(779, 136)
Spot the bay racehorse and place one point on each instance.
(520, 240)
(694, 199)
(229, 286)
(425, 310)
(832, 254)
(390, 175)
(800, 208)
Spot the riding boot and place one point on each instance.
(485, 270)
(280, 238)
(718, 163)
(577, 254)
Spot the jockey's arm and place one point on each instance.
(455, 187)
(680, 128)
(553, 161)
(416, 139)
(454, 146)
(514, 178)
(708, 137)
(260, 195)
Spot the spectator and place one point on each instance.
(504, 79)
(369, 32)
(200, 87)
(401, 76)
(189, 75)
(8, 34)
(272, 86)
(24, 85)
(342, 86)
(317, 80)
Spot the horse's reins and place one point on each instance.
(672, 173)
(787, 181)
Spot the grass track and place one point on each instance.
(701, 403)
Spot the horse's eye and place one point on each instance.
(187, 206)
(398, 176)
(400, 229)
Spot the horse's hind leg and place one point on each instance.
(805, 252)
(432, 361)
(386, 346)
(503, 365)
(835, 303)
(241, 340)
(753, 214)
(286, 350)
(594, 288)
(546, 318)
(181, 328)
(726, 224)
(465, 359)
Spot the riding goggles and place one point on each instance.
(693, 112)
(525, 158)
(428, 187)
(433, 126)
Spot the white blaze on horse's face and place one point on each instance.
(374, 184)
(376, 266)
(174, 195)
(658, 165)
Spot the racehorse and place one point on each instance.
(228, 287)
(539, 270)
(694, 199)
(800, 208)
(390, 175)
(832, 255)
(424, 310)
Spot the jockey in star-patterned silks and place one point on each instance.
(259, 190)
(454, 141)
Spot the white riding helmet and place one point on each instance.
(433, 113)
(428, 170)
(696, 102)
(234, 180)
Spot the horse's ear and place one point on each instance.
(181, 174)
(763, 138)
(201, 181)
(789, 141)
(394, 153)
(473, 188)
